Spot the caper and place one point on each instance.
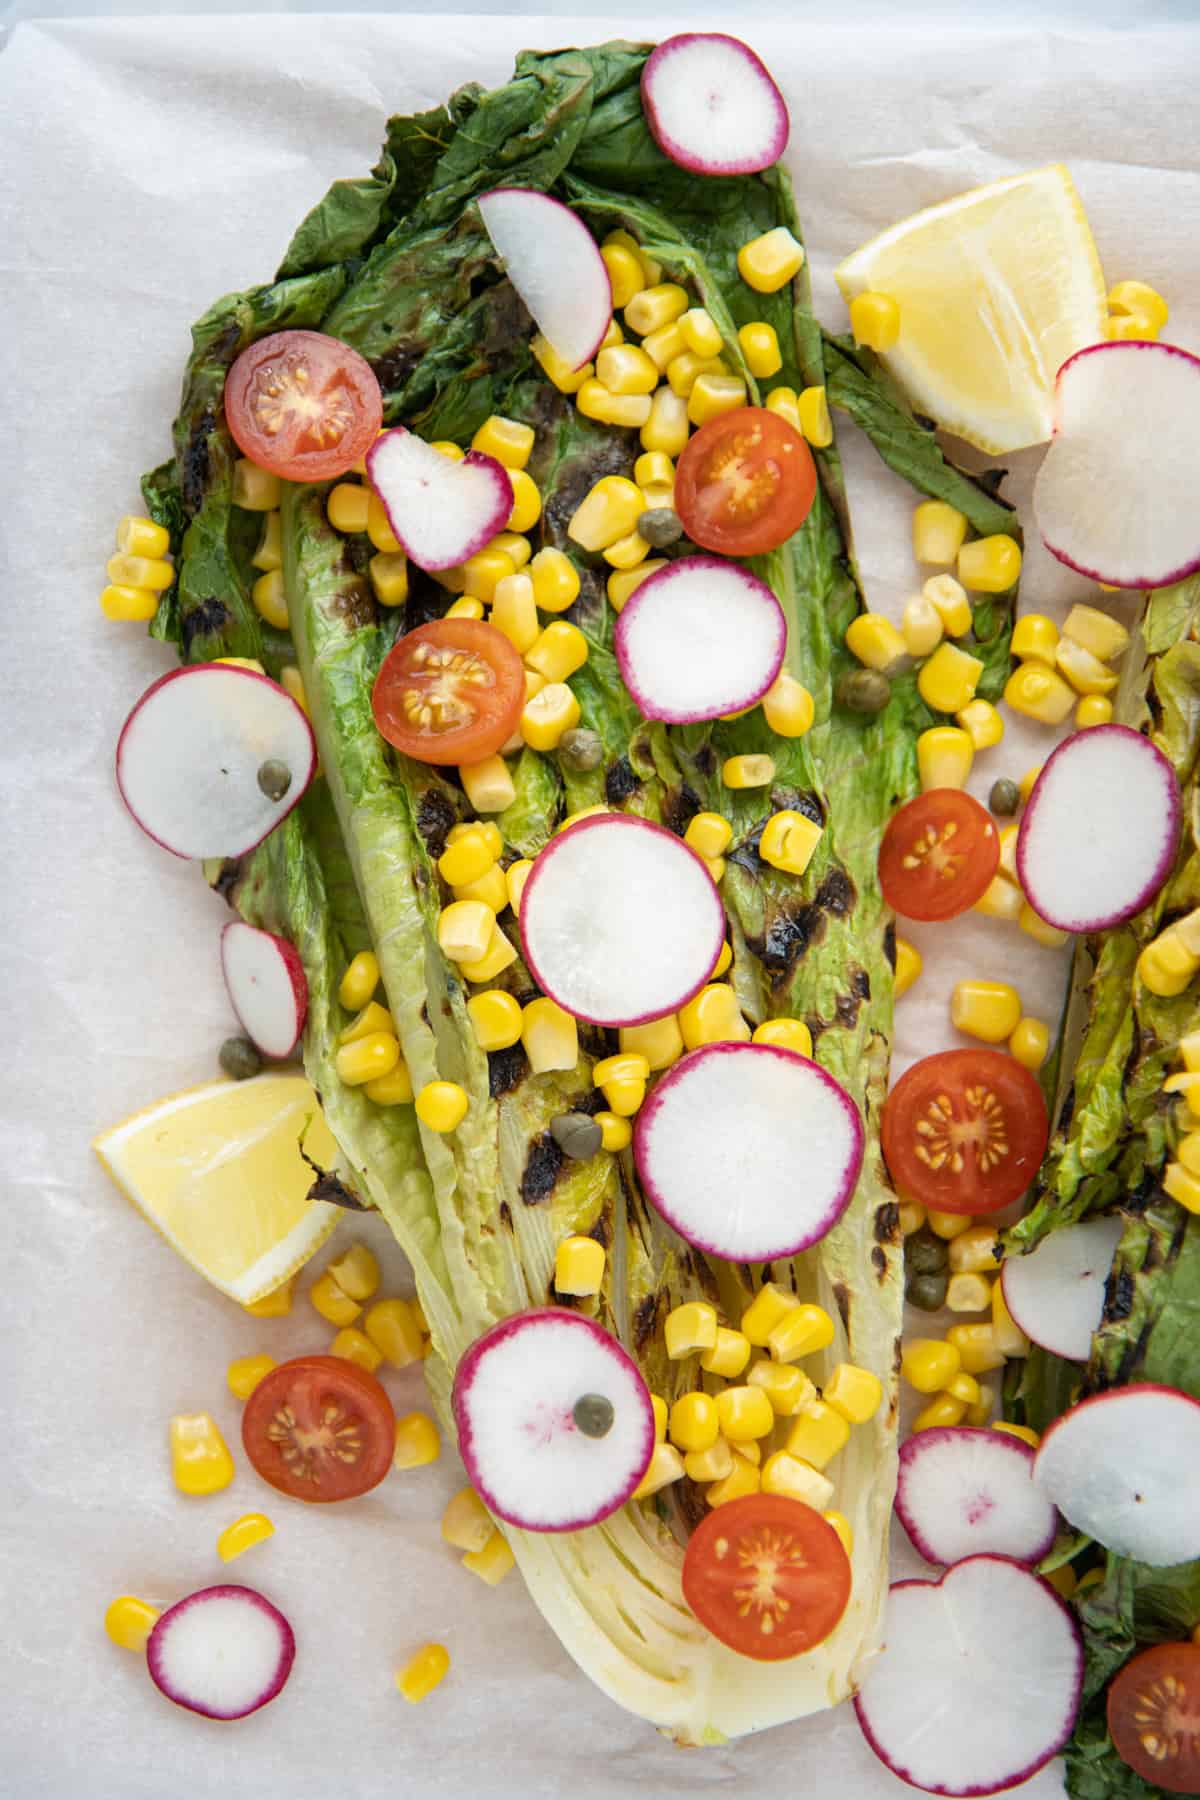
(1004, 798)
(577, 1135)
(581, 749)
(927, 1291)
(925, 1253)
(593, 1415)
(274, 778)
(660, 526)
(239, 1058)
(863, 690)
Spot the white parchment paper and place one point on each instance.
(146, 167)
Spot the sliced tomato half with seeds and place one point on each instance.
(320, 1428)
(767, 1576)
(964, 1131)
(938, 855)
(450, 692)
(1154, 1716)
(303, 404)
(744, 482)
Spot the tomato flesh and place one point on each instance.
(303, 405)
(744, 482)
(964, 1131)
(450, 692)
(938, 856)
(1154, 1716)
(767, 1576)
(319, 1428)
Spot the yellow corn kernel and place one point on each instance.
(200, 1461)
(693, 1422)
(270, 599)
(785, 1034)
(943, 1409)
(1137, 298)
(938, 531)
(805, 1329)
(627, 369)
(465, 930)
(550, 1037)
(560, 649)
(495, 1019)
(818, 1433)
(507, 440)
(690, 1327)
(976, 1347)
(466, 858)
(666, 426)
(714, 395)
(812, 408)
(947, 1224)
(332, 1301)
(684, 371)
(760, 347)
(990, 565)
(921, 626)
(555, 580)
(750, 1449)
(928, 1364)
(744, 1413)
(292, 683)
(769, 262)
(1189, 1050)
(854, 1392)
(367, 1058)
(393, 1089)
(661, 347)
(579, 1266)
(624, 582)
(488, 785)
(269, 554)
(1166, 967)
(973, 1251)
(1085, 672)
(708, 834)
(627, 552)
(483, 573)
(912, 1217)
(1018, 1431)
(275, 1305)
(254, 489)
(771, 1304)
(527, 502)
(1039, 693)
(356, 1271)
(624, 1094)
(493, 1562)
(949, 600)
(423, 1672)
(659, 1042)
(466, 1521)
(1182, 1185)
(788, 706)
(512, 544)
(346, 506)
(787, 1387)
(783, 1473)
(379, 528)
(392, 1326)
(1007, 1335)
(1188, 1152)
(514, 611)
(129, 1622)
(373, 1017)
(442, 1105)
(944, 757)
(948, 680)
(653, 307)
(1093, 709)
(982, 724)
(359, 982)
(243, 1534)
(1040, 930)
(730, 1354)
(988, 1010)
(585, 812)
(785, 403)
(1001, 899)
(1008, 852)
(711, 1464)
(743, 1479)
(875, 321)
(151, 572)
(444, 447)
(968, 1293)
(748, 771)
(908, 967)
(616, 1134)
(1030, 1043)
(1035, 639)
(981, 1412)
(556, 368)
(701, 332)
(666, 1466)
(716, 868)
(712, 1017)
(389, 577)
(129, 604)
(417, 1441)
(1093, 630)
(874, 640)
(658, 1407)
(245, 1372)
(789, 841)
(139, 536)
(624, 273)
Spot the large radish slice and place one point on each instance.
(1056, 1293)
(711, 105)
(1115, 496)
(267, 986)
(212, 757)
(555, 1424)
(1124, 1466)
(223, 1652)
(749, 1151)
(441, 511)
(1099, 833)
(962, 1492)
(552, 260)
(978, 1683)
(733, 632)
(620, 921)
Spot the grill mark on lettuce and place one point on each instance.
(194, 463)
(1118, 1296)
(507, 1069)
(435, 819)
(645, 1322)
(620, 781)
(887, 1223)
(543, 1166)
(206, 620)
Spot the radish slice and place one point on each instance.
(1115, 496)
(1099, 833)
(267, 986)
(532, 1450)
(552, 260)
(979, 1680)
(441, 511)
(223, 1652)
(212, 757)
(711, 105)
(749, 1151)
(962, 1492)
(1124, 1466)
(620, 921)
(1056, 1293)
(733, 629)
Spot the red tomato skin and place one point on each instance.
(1137, 1688)
(951, 1073)
(818, 1590)
(498, 708)
(327, 361)
(780, 453)
(911, 892)
(295, 1383)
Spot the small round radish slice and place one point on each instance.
(711, 105)
(212, 757)
(441, 511)
(1115, 495)
(733, 629)
(1000, 1641)
(552, 260)
(620, 921)
(749, 1151)
(223, 1652)
(1124, 1467)
(267, 986)
(1056, 1293)
(554, 1421)
(962, 1492)
(1099, 833)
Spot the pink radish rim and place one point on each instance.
(1114, 1393)
(475, 459)
(1011, 1262)
(510, 188)
(464, 1375)
(1102, 921)
(645, 1119)
(608, 821)
(646, 591)
(686, 159)
(220, 669)
(1031, 1769)
(910, 1449)
(287, 1652)
(299, 981)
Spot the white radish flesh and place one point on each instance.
(553, 261)
(223, 1652)
(515, 1397)
(1056, 1293)
(441, 511)
(700, 638)
(962, 1492)
(1099, 833)
(267, 987)
(751, 1152)
(620, 922)
(711, 105)
(193, 750)
(1115, 496)
(1124, 1466)
(978, 1683)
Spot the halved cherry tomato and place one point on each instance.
(938, 855)
(964, 1131)
(744, 482)
(1154, 1716)
(767, 1576)
(320, 1428)
(451, 691)
(302, 404)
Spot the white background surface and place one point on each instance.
(146, 167)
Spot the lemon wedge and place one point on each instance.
(996, 289)
(218, 1170)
